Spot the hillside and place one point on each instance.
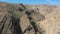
(29, 19)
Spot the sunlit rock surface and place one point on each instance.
(26, 19)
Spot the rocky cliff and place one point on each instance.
(29, 19)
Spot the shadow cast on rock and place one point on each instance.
(16, 26)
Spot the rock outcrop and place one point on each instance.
(29, 19)
(18, 19)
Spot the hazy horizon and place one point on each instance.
(50, 2)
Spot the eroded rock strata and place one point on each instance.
(18, 19)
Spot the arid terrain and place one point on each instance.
(29, 19)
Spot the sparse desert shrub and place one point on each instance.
(14, 13)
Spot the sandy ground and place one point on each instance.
(51, 24)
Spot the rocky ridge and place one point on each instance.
(18, 19)
(29, 19)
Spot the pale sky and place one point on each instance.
(33, 1)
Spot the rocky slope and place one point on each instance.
(29, 19)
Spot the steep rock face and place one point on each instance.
(18, 19)
(10, 25)
(29, 19)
